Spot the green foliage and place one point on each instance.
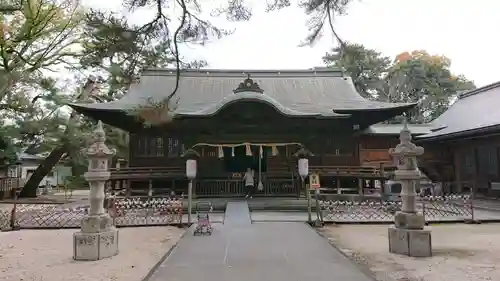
(410, 77)
(366, 67)
(426, 79)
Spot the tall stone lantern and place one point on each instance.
(407, 236)
(97, 238)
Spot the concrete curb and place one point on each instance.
(487, 209)
(277, 220)
(367, 272)
(462, 221)
(153, 270)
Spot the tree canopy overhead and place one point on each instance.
(415, 76)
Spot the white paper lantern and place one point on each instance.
(191, 169)
(303, 167)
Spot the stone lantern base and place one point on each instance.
(97, 239)
(408, 236)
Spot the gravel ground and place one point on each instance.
(46, 255)
(460, 252)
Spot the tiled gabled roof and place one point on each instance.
(314, 92)
(474, 111)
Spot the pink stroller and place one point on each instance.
(204, 226)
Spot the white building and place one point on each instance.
(28, 164)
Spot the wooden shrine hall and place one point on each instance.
(237, 119)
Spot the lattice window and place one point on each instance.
(142, 146)
(174, 147)
(149, 146)
(210, 151)
(159, 146)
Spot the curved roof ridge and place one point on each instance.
(256, 73)
(256, 97)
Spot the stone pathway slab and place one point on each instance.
(255, 252)
(237, 214)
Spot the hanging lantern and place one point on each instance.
(220, 151)
(303, 162)
(232, 151)
(303, 167)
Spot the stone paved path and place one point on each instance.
(237, 214)
(240, 250)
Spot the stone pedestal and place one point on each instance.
(410, 242)
(98, 238)
(95, 246)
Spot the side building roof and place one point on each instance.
(474, 112)
(322, 93)
(395, 129)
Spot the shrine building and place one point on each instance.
(236, 119)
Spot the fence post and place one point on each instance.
(13, 220)
(471, 205)
(423, 210)
(319, 220)
(180, 210)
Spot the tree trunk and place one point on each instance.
(29, 189)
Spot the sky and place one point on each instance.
(461, 30)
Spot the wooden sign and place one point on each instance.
(314, 181)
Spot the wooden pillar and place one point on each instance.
(476, 183)
(150, 188)
(129, 188)
(360, 186)
(458, 181)
(172, 184)
(338, 186)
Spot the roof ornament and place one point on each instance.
(248, 85)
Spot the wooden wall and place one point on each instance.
(374, 150)
(477, 163)
(157, 151)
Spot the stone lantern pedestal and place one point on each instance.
(407, 236)
(98, 238)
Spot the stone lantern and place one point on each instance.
(407, 236)
(98, 237)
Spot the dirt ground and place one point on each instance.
(46, 255)
(460, 252)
